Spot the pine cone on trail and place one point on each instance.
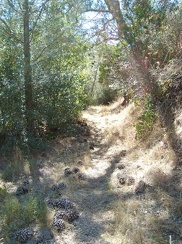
(62, 203)
(59, 224)
(23, 235)
(68, 215)
(67, 172)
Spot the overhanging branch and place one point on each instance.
(9, 31)
(97, 10)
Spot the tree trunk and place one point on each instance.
(124, 32)
(28, 72)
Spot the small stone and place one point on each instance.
(120, 166)
(91, 145)
(123, 153)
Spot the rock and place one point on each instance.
(140, 188)
(91, 145)
(123, 153)
(120, 166)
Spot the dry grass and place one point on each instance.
(143, 220)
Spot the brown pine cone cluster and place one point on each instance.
(23, 235)
(65, 211)
(63, 203)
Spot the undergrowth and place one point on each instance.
(146, 121)
(16, 213)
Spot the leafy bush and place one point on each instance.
(107, 96)
(18, 214)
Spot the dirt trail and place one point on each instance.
(94, 196)
(112, 141)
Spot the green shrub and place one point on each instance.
(107, 96)
(146, 121)
(17, 214)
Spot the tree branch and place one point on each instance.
(10, 32)
(39, 15)
(12, 6)
(97, 10)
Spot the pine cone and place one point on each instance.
(23, 235)
(71, 215)
(59, 223)
(60, 215)
(61, 203)
(67, 172)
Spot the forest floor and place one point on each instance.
(127, 191)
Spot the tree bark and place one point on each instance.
(28, 72)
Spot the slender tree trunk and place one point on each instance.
(136, 48)
(28, 72)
